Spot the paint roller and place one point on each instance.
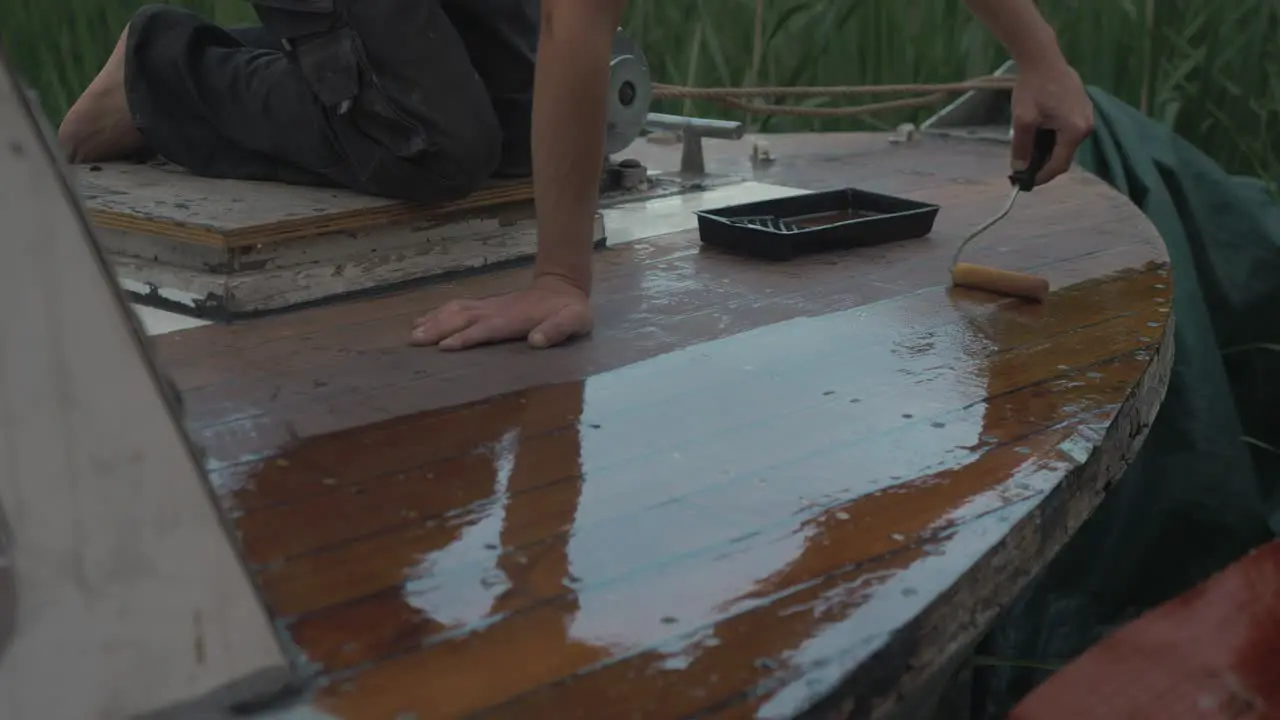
(995, 280)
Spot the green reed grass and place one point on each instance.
(1208, 68)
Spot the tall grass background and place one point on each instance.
(1208, 68)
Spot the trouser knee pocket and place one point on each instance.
(331, 56)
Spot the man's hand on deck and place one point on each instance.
(1050, 96)
(550, 312)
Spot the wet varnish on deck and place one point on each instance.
(761, 489)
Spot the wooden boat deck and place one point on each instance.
(861, 467)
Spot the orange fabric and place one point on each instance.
(1212, 653)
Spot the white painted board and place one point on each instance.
(130, 596)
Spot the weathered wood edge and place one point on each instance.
(503, 198)
(215, 295)
(492, 198)
(957, 618)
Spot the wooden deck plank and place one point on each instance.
(365, 498)
(229, 426)
(695, 281)
(859, 457)
(301, 586)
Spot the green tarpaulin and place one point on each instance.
(1200, 494)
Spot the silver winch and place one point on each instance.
(630, 94)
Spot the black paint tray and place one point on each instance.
(783, 228)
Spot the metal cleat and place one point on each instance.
(691, 131)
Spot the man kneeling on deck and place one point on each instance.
(379, 95)
(410, 99)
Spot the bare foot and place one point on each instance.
(99, 127)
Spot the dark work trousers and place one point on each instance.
(410, 99)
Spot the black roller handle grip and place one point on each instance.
(1041, 151)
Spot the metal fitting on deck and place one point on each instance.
(691, 131)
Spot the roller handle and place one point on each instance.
(1041, 151)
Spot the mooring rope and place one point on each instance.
(740, 98)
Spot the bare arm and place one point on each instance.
(569, 104)
(1020, 27)
(1048, 94)
(570, 85)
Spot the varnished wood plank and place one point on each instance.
(858, 470)
(128, 597)
(689, 282)
(834, 537)
(743, 444)
(761, 500)
(260, 426)
(364, 469)
(1018, 422)
(816, 162)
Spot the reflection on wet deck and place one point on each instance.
(749, 515)
(758, 487)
